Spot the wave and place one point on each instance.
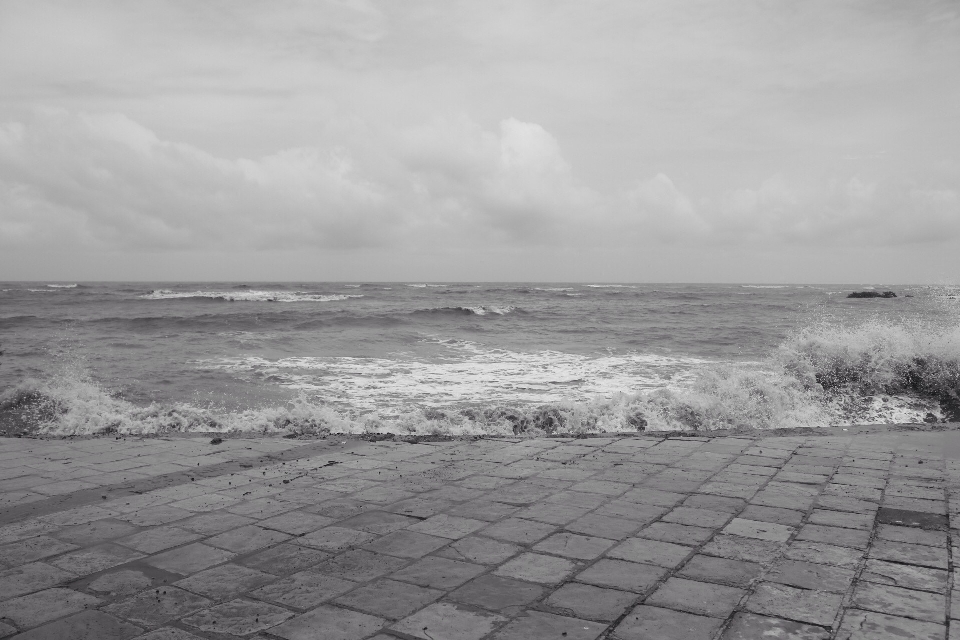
(479, 310)
(610, 286)
(62, 286)
(827, 374)
(250, 295)
(765, 286)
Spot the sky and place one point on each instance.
(442, 140)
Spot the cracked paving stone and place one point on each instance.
(87, 625)
(538, 625)
(750, 626)
(620, 574)
(590, 602)
(238, 617)
(447, 620)
(721, 570)
(743, 549)
(153, 607)
(645, 622)
(389, 598)
(439, 573)
(897, 601)
(361, 565)
(31, 577)
(304, 590)
(808, 575)
(284, 559)
(496, 593)
(870, 625)
(663, 554)
(329, 622)
(43, 606)
(535, 567)
(190, 559)
(571, 545)
(904, 553)
(905, 575)
(701, 598)
(803, 605)
(224, 582)
(480, 550)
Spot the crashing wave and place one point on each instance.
(872, 372)
(249, 295)
(62, 286)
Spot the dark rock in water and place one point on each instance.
(872, 294)
(216, 441)
(637, 421)
(950, 405)
(929, 418)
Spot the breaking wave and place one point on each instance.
(872, 372)
(473, 311)
(250, 295)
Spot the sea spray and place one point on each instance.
(827, 374)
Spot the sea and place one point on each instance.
(467, 359)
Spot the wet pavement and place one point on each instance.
(828, 535)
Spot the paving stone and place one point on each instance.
(571, 545)
(31, 577)
(447, 526)
(646, 622)
(210, 524)
(721, 571)
(743, 549)
(446, 620)
(519, 530)
(896, 601)
(698, 517)
(904, 553)
(479, 550)
(153, 516)
(96, 532)
(803, 605)
(852, 505)
(247, 539)
(776, 515)
(870, 625)
(630, 576)
(407, 544)
(169, 633)
(701, 598)
(535, 567)
(361, 565)
(932, 507)
(842, 519)
(330, 623)
(156, 606)
(654, 552)
(912, 535)
(906, 576)
(238, 617)
(590, 602)
(603, 526)
(486, 510)
(497, 593)
(32, 549)
(678, 533)
(438, 573)
(835, 535)
(714, 503)
(121, 583)
(378, 522)
(909, 518)
(304, 590)
(639, 513)
(190, 559)
(296, 523)
(758, 530)
(389, 599)
(284, 559)
(224, 582)
(87, 625)
(158, 539)
(808, 575)
(750, 626)
(821, 553)
(552, 513)
(83, 562)
(646, 495)
(43, 606)
(537, 625)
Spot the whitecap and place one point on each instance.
(249, 295)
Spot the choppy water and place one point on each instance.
(476, 357)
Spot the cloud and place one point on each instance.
(102, 181)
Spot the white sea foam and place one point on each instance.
(553, 288)
(610, 286)
(826, 374)
(250, 295)
(62, 286)
(765, 286)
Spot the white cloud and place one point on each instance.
(102, 181)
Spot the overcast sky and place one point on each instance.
(625, 140)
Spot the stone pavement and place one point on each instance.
(833, 535)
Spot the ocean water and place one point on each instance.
(469, 358)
